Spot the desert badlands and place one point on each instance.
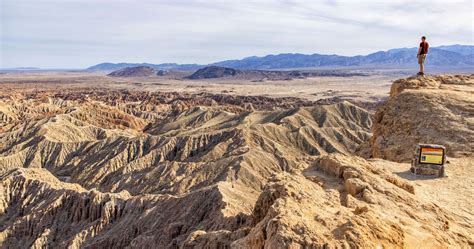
(142, 164)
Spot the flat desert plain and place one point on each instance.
(363, 88)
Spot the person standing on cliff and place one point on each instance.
(422, 52)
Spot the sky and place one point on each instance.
(82, 33)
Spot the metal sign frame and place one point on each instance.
(421, 153)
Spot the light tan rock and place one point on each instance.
(432, 110)
(116, 169)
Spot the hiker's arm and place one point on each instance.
(419, 51)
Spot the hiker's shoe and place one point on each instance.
(419, 73)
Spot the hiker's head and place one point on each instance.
(423, 38)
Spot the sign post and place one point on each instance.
(429, 159)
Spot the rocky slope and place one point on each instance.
(437, 110)
(152, 149)
(112, 169)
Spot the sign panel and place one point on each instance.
(431, 155)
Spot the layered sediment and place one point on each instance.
(113, 169)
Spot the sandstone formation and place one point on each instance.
(100, 168)
(154, 149)
(432, 110)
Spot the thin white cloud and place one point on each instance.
(79, 33)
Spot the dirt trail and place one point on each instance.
(454, 192)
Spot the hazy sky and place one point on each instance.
(80, 33)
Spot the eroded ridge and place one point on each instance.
(120, 168)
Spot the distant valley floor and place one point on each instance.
(371, 88)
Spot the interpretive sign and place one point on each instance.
(432, 155)
(429, 159)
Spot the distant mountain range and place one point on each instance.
(164, 66)
(211, 72)
(442, 56)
